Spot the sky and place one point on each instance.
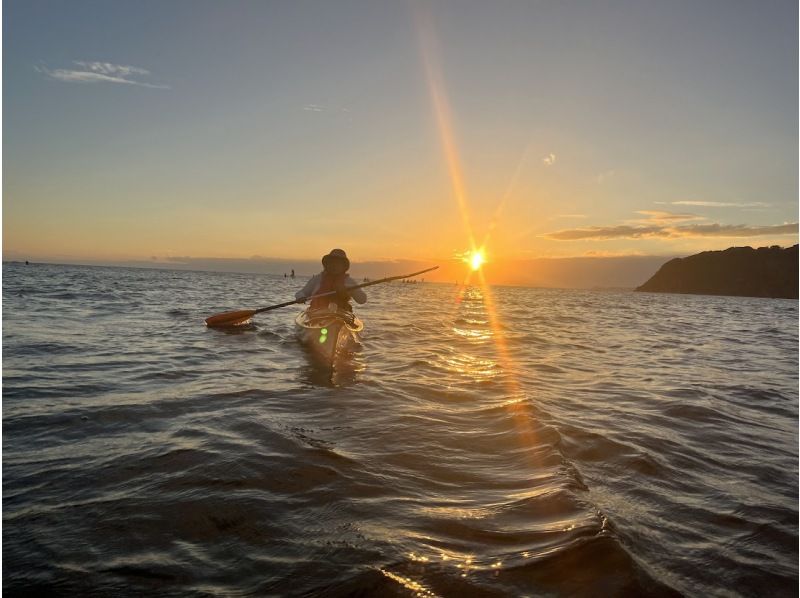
(405, 130)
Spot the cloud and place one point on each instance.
(549, 159)
(670, 232)
(662, 216)
(604, 176)
(568, 216)
(720, 204)
(106, 68)
(736, 230)
(605, 232)
(601, 253)
(100, 72)
(328, 111)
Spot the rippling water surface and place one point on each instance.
(525, 443)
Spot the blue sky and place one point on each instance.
(232, 129)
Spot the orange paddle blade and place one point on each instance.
(230, 318)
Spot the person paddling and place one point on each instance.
(333, 277)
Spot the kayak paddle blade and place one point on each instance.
(230, 318)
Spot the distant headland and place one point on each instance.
(740, 271)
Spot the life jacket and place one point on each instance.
(328, 283)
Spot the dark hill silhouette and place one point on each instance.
(742, 271)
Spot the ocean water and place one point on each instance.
(521, 442)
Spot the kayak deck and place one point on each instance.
(328, 334)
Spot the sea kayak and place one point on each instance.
(328, 333)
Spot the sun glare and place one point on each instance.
(477, 259)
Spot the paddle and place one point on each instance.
(232, 318)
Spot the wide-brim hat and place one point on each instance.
(336, 254)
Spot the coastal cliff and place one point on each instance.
(742, 271)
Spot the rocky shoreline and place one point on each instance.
(740, 271)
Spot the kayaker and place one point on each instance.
(333, 277)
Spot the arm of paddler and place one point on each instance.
(308, 290)
(358, 295)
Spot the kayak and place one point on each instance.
(328, 333)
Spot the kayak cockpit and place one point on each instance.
(328, 333)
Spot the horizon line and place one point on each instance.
(420, 281)
(185, 260)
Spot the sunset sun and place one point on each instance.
(476, 259)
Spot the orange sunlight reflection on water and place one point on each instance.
(480, 296)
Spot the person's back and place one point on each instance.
(333, 277)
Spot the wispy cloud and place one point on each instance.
(568, 216)
(549, 159)
(604, 176)
(601, 253)
(623, 231)
(668, 232)
(720, 204)
(654, 216)
(100, 72)
(112, 70)
(736, 230)
(328, 110)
